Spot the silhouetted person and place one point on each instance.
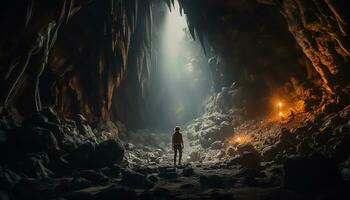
(178, 144)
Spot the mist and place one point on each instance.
(182, 81)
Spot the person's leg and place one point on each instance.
(180, 155)
(175, 154)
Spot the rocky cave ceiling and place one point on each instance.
(95, 57)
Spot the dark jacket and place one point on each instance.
(177, 138)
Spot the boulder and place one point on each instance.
(247, 160)
(107, 153)
(241, 148)
(211, 181)
(216, 145)
(304, 148)
(269, 153)
(187, 171)
(83, 126)
(168, 175)
(37, 139)
(311, 174)
(112, 171)
(80, 157)
(323, 137)
(136, 180)
(152, 178)
(79, 183)
(231, 151)
(226, 129)
(34, 165)
(286, 137)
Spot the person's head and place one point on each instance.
(177, 129)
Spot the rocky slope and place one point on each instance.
(299, 157)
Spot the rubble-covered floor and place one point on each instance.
(306, 156)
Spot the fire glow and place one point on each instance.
(280, 113)
(240, 139)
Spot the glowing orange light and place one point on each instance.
(240, 139)
(279, 104)
(280, 114)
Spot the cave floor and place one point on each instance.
(230, 186)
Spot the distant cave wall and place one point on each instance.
(254, 49)
(266, 47)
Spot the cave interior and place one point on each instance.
(260, 90)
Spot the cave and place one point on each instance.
(251, 97)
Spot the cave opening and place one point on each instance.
(182, 81)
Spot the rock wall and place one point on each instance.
(292, 49)
(321, 30)
(72, 54)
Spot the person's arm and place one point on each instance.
(182, 141)
(172, 140)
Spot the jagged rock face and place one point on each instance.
(286, 47)
(321, 30)
(91, 59)
(81, 51)
(80, 57)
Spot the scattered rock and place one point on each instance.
(246, 148)
(247, 159)
(231, 151)
(34, 165)
(269, 153)
(112, 171)
(216, 145)
(136, 180)
(287, 138)
(194, 156)
(93, 176)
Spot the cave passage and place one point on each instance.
(91, 91)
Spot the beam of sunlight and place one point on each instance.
(184, 80)
(174, 32)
